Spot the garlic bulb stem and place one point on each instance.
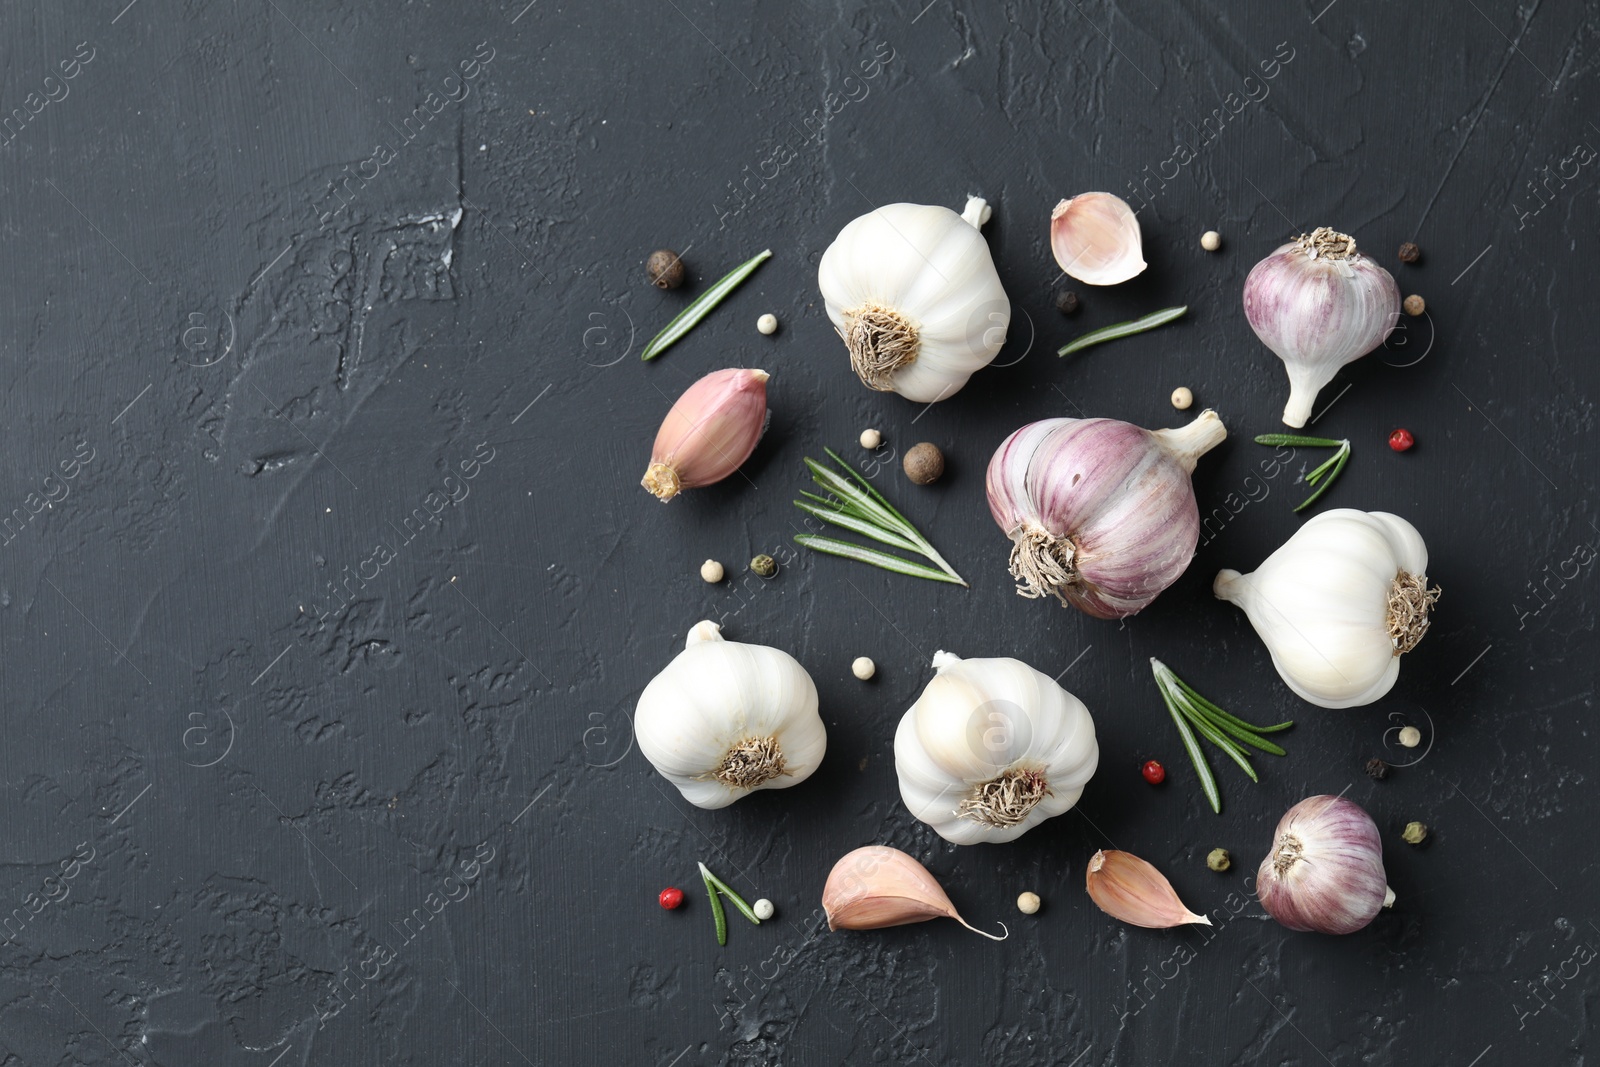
(977, 212)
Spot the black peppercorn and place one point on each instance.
(1410, 253)
(664, 269)
(924, 463)
(1067, 302)
(1377, 769)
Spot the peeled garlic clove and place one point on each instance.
(1095, 237)
(710, 431)
(877, 886)
(1126, 887)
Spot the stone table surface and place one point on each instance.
(327, 588)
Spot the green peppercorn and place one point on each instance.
(764, 565)
(1414, 833)
(1219, 860)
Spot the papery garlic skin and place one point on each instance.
(913, 291)
(1325, 871)
(991, 749)
(1319, 304)
(1338, 604)
(725, 719)
(1101, 513)
(711, 429)
(1096, 239)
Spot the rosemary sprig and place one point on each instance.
(715, 886)
(1327, 472)
(1125, 329)
(854, 504)
(1193, 713)
(690, 316)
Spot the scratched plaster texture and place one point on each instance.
(327, 587)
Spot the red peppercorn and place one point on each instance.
(1153, 772)
(671, 897)
(1401, 440)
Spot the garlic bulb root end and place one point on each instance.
(1410, 601)
(1005, 800)
(1325, 242)
(1388, 897)
(750, 763)
(1042, 564)
(880, 341)
(662, 480)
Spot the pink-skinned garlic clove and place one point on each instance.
(1096, 239)
(877, 886)
(712, 429)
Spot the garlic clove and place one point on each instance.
(1126, 887)
(711, 429)
(877, 886)
(1095, 237)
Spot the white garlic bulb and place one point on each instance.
(724, 719)
(913, 292)
(991, 749)
(1338, 604)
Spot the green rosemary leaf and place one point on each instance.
(1322, 468)
(867, 485)
(1213, 712)
(857, 525)
(870, 509)
(738, 901)
(1216, 737)
(1251, 739)
(1341, 456)
(716, 906)
(857, 505)
(1124, 329)
(1216, 714)
(1295, 440)
(876, 558)
(905, 528)
(690, 316)
(1202, 771)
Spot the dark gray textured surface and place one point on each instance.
(232, 802)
